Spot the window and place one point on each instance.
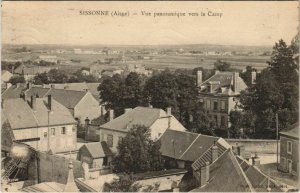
(289, 147)
(73, 129)
(105, 161)
(53, 131)
(110, 139)
(223, 105)
(120, 139)
(45, 134)
(208, 104)
(216, 120)
(223, 121)
(63, 130)
(215, 105)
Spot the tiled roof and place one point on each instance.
(14, 91)
(97, 149)
(293, 132)
(21, 115)
(37, 91)
(185, 145)
(225, 175)
(138, 116)
(224, 80)
(68, 98)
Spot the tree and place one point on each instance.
(56, 76)
(16, 79)
(137, 152)
(41, 78)
(222, 65)
(161, 91)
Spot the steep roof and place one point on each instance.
(20, 115)
(37, 91)
(97, 149)
(185, 145)
(138, 116)
(68, 98)
(293, 132)
(225, 175)
(224, 83)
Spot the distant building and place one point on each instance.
(96, 70)
(52, 59)
(85, 72)
(42, 123)
(157, 120)
(97, 155)
(289, 150)
(29, 72)
(137, 68)
(5, 76)
(219, 95)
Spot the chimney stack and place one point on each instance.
(111, 115)
(29, 85)
(214, 152)
(199, 78)
(50, 102)
(52, 86)
(23, 96)
(241, 151)
(169, 111)
(12, 69)
(235, 81)
(103, 110)
(204, 174)
(253, 77)
(33, 102)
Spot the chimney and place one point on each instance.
(241, 151)
(214, 152)
(217, 71)
(52, 86)
(23, 96)
(18, 85)
(50, 102)
(103, 110)
(12, 69)
(8, 85)
(199, 78)
(191, 118)
(127, 110)
(29, 85)
(111, 115)
(87, 121)
(169, 111)
(33, 102)
(253, 77)
(235, 81)
(204, 174)
(256, 160)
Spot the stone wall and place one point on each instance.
(256, 145)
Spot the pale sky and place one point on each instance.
(242, 23)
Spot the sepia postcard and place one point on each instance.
(149, 96)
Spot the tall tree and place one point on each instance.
(222, 65)
(16, 79)
(137, 152)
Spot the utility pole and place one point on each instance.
(277, 138)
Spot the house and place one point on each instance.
(289, 150)
(81, 104)
(219, 95)
(97, 155)
(5, 76)
(181, 149)
(85, 72)
(29, 71)
(42, 123)
(137, 68)
(231, 173)
(96, 70)
(157, 120)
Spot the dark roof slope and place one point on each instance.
(138, 116)
(225, 175)
(37, 91)
(14, 91)
(294, 132)
(97, 149)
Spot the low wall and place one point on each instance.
(256, 145)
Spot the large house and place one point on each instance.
(289, 150)
(42, 123)
(156, 120)
(81, 104)
(219, 94)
